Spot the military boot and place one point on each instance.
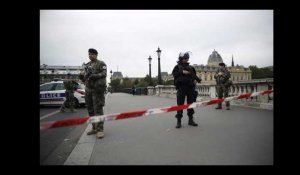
(219, 106)
(227, 105)
(99, 135)
(73, 110)
(62, 109)
(93, 131)
(191, 121)
(178, 123)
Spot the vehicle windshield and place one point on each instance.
(46, 87)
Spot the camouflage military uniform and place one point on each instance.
(221, 80)
(94, 91)
(70, 99)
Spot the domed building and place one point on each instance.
(207, 72)
(214, 59)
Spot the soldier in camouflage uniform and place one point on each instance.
(222, 79)
(95, 82)
(70, 86)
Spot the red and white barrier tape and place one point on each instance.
(125, 115)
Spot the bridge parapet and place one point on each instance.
(208, 91)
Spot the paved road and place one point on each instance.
(45, 110)
(241, 136)
(56, 144)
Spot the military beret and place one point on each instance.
(91, 50)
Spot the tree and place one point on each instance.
(136, 82)
(116, 85)
(127, 83)
(154, 81)
(148, 80)
(258, 73)
(142, 83)
(169, 82)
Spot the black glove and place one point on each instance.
(81, 76)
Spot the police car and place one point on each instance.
(53, 93)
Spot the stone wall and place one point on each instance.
(207, 92)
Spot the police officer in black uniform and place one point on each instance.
(185, 80)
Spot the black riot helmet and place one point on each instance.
(185, 55)
(180, 57)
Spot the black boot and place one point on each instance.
(93, 131)
(219, 106)
(178, 123)
(191, 121)
(227, 105)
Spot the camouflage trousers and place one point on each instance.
(222, 91)
(70, 100)
(95, 102)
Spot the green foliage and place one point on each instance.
(142, 83)
(136, 82)
(127, 83)
(258, 73)
(116, 85)
(169, 82)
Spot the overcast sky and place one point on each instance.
(126, 38)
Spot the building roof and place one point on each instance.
(60, 67)
(164, 74)
(214, 59)
(117, 74)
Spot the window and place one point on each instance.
(59, 86)
(46, 87)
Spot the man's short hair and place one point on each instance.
(94, 51)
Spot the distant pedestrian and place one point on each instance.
(133, 90)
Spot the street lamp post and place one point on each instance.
(111, 88)
(111, 75)
(159, 72)
(44, 77)
(150, 59)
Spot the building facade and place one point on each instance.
(207, 72)
(116, 75)
(51, 73)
